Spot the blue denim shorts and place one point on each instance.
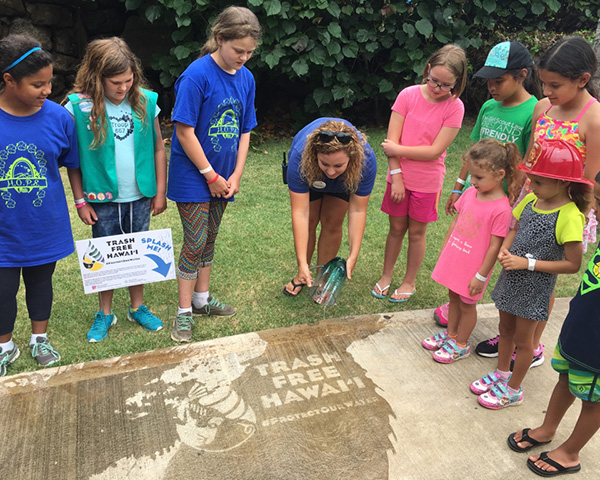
(118, 218)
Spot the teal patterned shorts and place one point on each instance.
(582, 383)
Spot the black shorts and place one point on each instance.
(315, 195)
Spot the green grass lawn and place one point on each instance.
(254, 259)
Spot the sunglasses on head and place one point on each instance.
(327, 136)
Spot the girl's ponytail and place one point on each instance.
(581, 195)
(513, 158)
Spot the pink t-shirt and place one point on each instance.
(467, 245)
(423, 120)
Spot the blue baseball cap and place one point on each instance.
(505, 57)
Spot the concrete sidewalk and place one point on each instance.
(350, 398)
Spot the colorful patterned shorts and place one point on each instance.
(582, 383)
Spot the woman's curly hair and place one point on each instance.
(355, 150)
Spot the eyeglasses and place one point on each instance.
(326, 136)
(442, 86)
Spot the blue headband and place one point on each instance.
(21, 58)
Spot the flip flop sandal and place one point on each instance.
(559, 468)
(295, 285)
(402, 300)
(512, 443)
(379, 295)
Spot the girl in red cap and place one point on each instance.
(546, 241)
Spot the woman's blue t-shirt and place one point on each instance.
(298, 184)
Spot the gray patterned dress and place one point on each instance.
(524, 293)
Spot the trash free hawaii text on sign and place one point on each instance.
(107, 263)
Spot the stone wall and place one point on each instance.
(64, 28)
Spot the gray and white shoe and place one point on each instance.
(43, 352)
(8, 357)
(214, 307)
(182, 328)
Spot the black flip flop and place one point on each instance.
(559, 468)
(512, 443)
(295, 285)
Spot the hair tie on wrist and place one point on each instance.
(214, 179)
(457, 191)
(80, 205)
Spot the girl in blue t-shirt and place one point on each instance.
(123, 160)
(213, 117)
(37, 136)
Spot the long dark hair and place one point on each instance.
(571, 57)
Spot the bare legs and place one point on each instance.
(415, 254)
(462, 318)
(187, 287)
(330, 212)
(587, 425)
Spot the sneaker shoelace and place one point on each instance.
(41, 349)
(144, 315)
(99, 321)
(184, 322)
(493, 341)
(214, 303)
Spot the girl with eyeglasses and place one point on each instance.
(424, 122)
(331, 172)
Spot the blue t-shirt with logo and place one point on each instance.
(220, 107)
(298, 184)
(35, 228)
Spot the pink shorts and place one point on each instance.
(422, 207)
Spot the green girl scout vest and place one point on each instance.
(98, 165)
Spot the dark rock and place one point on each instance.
(55, 15)
(11, 7)
(21, 25)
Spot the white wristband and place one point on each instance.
(395, 171)
(531, 266)
(481, 278)
(205, 170)
(461, 181)
(79, 201)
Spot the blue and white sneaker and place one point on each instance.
(145, 318)
(100, 327)
(487, 382)
(450, 352)
(8, 357)
(499, 397)
(436, 341)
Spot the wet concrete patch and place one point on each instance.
(352, 398)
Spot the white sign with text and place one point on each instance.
(107, 263)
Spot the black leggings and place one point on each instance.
(38, 294)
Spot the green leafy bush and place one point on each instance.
(333, 55)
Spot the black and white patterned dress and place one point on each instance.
(524, 293)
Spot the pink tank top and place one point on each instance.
(567, 130)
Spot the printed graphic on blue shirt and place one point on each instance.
(224, 124)
(591, 276)
(22, 173)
